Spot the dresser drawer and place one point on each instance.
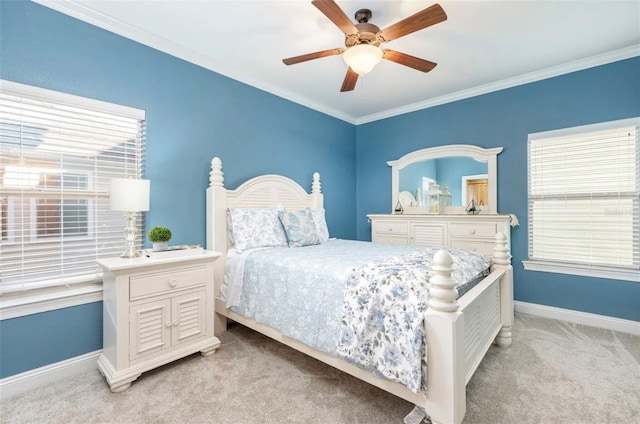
(485, 249)
(480, 229)
(390, 227)
(144, 285)
(390, 239)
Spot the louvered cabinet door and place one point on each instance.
(188, 313)
(149, 328)
(428, 234)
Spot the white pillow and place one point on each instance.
(321, 225)
(253, 228)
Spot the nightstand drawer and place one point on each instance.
(390, 227)
(479, 229)
(161, 282)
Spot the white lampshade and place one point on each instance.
(129, 194)
(361, 58)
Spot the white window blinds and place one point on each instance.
(57, 155)
(584, 192)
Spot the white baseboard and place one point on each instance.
(577, 317)
(19, 383)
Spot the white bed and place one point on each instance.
(458, 332)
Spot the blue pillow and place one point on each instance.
(299, 227)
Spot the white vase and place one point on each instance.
(160, 246)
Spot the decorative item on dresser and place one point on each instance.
(458, 330)
(155, 311)
(476, 233)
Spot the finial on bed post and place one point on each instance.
(501, 254)
(315, 186)
(216, 176)
(443, 292)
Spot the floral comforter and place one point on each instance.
(382, 326)
(357, 300)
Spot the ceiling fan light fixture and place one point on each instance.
(361, 58)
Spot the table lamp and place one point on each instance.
(131, 196)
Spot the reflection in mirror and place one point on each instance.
(452, 172)
(476, 188)
(466, 172)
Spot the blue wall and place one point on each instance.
(192, 115)
(505, 118)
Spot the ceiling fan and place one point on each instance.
(362, 40)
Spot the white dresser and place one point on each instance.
(474, 232)
(155, 310)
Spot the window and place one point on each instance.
(58, 153)
(584, 194)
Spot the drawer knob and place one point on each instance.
(390, 229)
(472, 231)
(175, 323)
(173, 283)
(168, 324)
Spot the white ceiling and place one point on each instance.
(483, 46)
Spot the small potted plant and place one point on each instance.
(159, 236)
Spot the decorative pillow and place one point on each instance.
(253, 228)
(300, 228)
(321, 225)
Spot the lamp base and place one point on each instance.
(130, 235)
(130, 254)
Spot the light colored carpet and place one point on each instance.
(553, 373)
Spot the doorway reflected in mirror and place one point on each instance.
(475, 187)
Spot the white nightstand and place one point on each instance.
(155, 310)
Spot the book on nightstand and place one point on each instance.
(174, 251)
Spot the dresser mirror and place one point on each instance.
(464, 171)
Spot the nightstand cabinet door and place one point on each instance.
(149, 328)
(188, 313)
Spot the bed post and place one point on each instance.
(318, 201)
(217, 232)
(502, 260)
(446, 391)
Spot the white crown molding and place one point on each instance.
(577, 65)
(32, 379)
(577, 317)
(79, 11)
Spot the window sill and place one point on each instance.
(584, 271)
(22, 304)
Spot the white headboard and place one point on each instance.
(265, 191)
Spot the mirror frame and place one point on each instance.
(490, 156)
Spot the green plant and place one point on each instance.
(159, 234)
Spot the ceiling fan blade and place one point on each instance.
(430, 16)
(350, 81)
(408, 60)
(332, 11)
(310, 56)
